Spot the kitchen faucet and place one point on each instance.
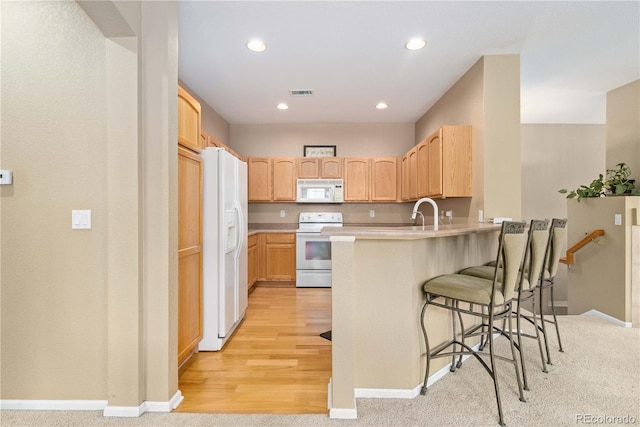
(435, 211)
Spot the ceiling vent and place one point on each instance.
(301, 92)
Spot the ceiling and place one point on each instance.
(352, 55)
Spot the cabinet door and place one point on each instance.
(308, 168)
(252, 260)
(284, 179)
(384, 179)
(280, 256)
(422, 169)
(435, 164)
(331, 167)
(189, 252)
(413, 173)
(188, 121)
(456, 169)
(260, 184)
(356, 179)
(405, 176)
(203, 139)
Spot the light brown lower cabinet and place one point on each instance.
(189, 252)
(253, 260)
(276, 254)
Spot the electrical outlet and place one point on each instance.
(282, 213)
(372, 213)
(449, 214)
(617, 219)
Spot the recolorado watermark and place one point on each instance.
(592, 419)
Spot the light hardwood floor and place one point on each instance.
(276, 362)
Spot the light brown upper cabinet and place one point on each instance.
(413, 173)
(450, 163)
(422, 169)
(440, 166)
(356, 179)
(188, 121)
(272, 179)
(284, 179)
(384, 179)
(319, 167)
(404, 177)
(260, 179)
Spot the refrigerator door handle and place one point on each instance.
(240, 228)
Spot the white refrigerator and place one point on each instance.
(224, 246)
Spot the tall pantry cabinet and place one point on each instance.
(189, 225)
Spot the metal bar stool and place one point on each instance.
(533, 267)
(489, 300)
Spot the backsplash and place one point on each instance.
(359, 213)
(353, 213)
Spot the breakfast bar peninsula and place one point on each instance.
(377, 276)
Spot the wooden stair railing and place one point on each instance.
(582, 243)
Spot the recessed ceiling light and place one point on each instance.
(257, 46)
(381, 105)
(415, 44)
(282, 106)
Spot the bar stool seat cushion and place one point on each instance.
(463, 287)
(487, 272)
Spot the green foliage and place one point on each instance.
(616, 184)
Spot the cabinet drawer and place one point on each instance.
(280, 237)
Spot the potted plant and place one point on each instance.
(617, 183)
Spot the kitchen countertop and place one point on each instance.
(404, 232)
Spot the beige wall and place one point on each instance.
(350, 139)
(556, 156)
(487, 97)
(600, 278)
(212, 122)
(54, 279)
(89, 123)
(623, 127)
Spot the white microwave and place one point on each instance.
(320, 191)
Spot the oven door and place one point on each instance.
(313, 260)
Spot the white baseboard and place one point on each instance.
(124, 411)
(386, 393)
(559, 304)
(340, 413)
(93, 405)
(343, 414)
(169, 406)
(599, 314)
(53, 405)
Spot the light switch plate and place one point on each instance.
(81, 219)
(617, 219)
(6, 177)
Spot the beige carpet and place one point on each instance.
(595, 381)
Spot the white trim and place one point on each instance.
(94, 405)
(340, 413)
(169, 406)
(125, 411)
(386, 393)
(343, 414)
(601, 315)
(53, 405)
(596, 313)
(559, 304)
